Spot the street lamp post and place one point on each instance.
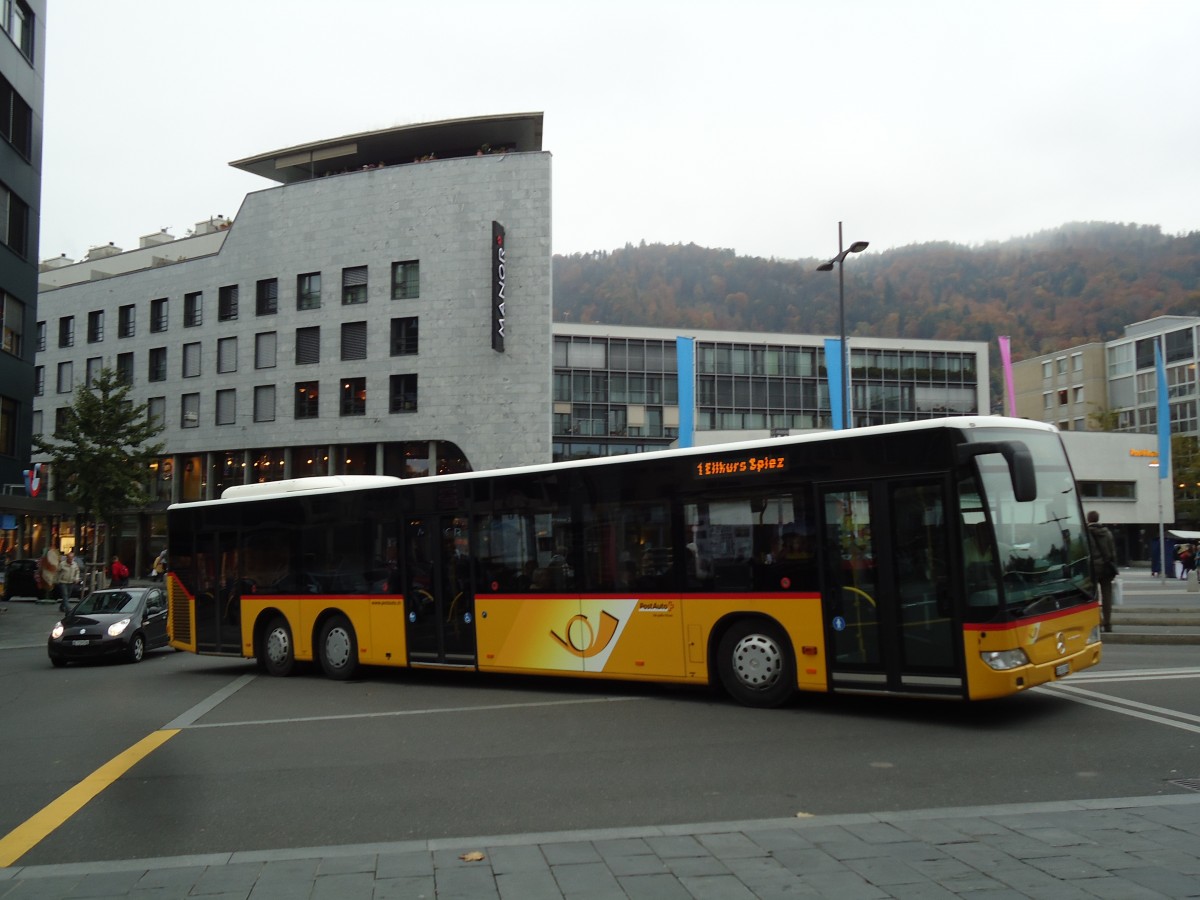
(856, 247)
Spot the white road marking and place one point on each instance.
(405, 712)
(1132, 708)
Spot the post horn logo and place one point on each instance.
(582, 639)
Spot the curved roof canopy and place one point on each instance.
(516, 133)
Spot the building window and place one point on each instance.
(307, 394)
(227, 303)
(12, 323)
(191, 360)
(8, 427)
(354, 285)
(406, 280)
(354, 396)
(95, 332)
(266, 297)
(193, 309)
(227, 355)
(404, 336)
(66, 331)
(39, 380)
(354, 340)
(94, 365)
(41, 337)
(127, 321)
(125, 368)
(66, 377)
(264, 403)
(158, 315)
(264, 350)
(156, 411)
(189, 411)
(16, 119)
(403, 394)
(226, 406)
(308, 291)
(14, 222)
(308, 345)
(157, 370)
(18, 22)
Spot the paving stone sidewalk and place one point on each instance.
(1141, 847)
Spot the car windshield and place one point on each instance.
(107, 602)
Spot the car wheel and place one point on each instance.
(754, 661)
(277, 654)
(339, 648)
(58, 662)
(137, 648)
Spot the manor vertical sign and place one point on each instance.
(498, 296)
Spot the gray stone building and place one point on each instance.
(384, 308)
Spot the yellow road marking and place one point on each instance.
(38, 827)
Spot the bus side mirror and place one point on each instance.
(1020, 464)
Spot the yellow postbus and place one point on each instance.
(946, 558)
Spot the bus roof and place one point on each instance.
(336, 483)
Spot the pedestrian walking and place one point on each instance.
(1104, 562)
(68, 577)
(118, 572)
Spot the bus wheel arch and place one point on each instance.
(276, 649)
(336, 646)
(752, 659)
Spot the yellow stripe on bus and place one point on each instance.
(38, 827)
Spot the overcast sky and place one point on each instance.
(753, 125)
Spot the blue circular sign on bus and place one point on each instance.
(839, 624)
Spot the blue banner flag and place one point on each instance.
(1164, 415)
(685, 366)
(834, 372)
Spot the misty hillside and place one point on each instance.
(1071, 285)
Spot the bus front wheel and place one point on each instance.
(754, 661)
(277, 653)
(339, 648)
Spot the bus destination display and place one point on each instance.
(749, 465)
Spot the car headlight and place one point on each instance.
(57, 631)
(1005, 659)
(115, 629)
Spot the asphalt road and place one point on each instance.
(251, 762)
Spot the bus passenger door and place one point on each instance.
(439, 599)
(218, 594)
(889, 614)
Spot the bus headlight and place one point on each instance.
(1094, 637)
(1005, 659)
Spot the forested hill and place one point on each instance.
(1056, 289)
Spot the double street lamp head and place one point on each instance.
(856, 247)
(844, 373)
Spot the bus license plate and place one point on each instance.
(1062, 669)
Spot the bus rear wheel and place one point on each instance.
(755, 664)
(338, 647)
(277, 653)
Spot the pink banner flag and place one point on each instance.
(1006, 364)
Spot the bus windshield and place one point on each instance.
(1040, 549)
